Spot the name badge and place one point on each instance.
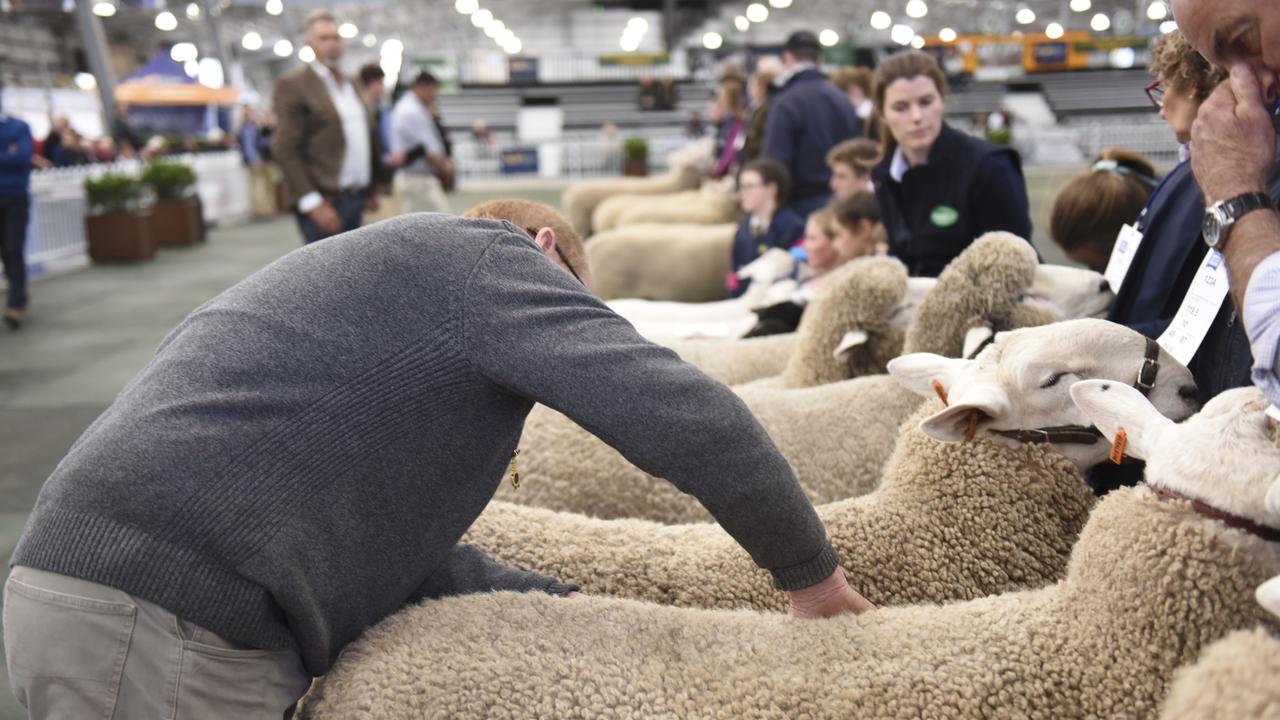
(1127, 243)
(1200, 306)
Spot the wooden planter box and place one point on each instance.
(635, 167)
(118, 236)
(176, 222)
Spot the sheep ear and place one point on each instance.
(959, 422)
(851, 341)
(975, 339)
(1111, 405)
(918, 371)
(1268, 595)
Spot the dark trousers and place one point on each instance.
(350, 207)
(15, 210)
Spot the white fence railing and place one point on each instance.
(55, 235)
(576, 155)
(1150, 136)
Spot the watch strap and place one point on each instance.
(1240, 205)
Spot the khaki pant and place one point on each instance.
(419, 192)
(262, 190)
(80, 650)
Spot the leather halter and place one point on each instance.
(1087, 434)
(1269, 534)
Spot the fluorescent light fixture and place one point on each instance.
(104, 9)
(880, 20)
(902, 34)
(757, 13)
(348, 30)
(712, 40)
(1054, 31)
(1100, 22)
(275, 7)
(251, 41)
(1025, 16)
(947, 35)
(166, 21)
(828, 37)
(917, 9)
(742, 23)
(283, 48)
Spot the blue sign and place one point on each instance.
(519, 159)
(1054, 53)
(523, 69)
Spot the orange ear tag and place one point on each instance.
(942, 392)
(973, 426)
(1118, 445)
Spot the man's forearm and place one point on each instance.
(1252, 239)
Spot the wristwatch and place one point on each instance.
(1220, 216)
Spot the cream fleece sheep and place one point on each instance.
(1149, 584)
(734, 362)
(662, 262)
(711, 204)
(689, 166)
(1237, 677)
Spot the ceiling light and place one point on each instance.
(1157, 10)
(209, 73)
(1025, 16)
(917, 42)
(780, 4)
(513, 47)
(283, 48)
(947, 35)
(166, 21)
(638, 24)
(481, 17)
(629, 43)
(251, 41)
(1081, 5)
(917, 9)
(1168, 26)
(275, 7)
(505, 37)
(1100, 22)
(306, 54)
(348, 30)
(191, 68)
(466, 7)
(880, 20)
(713, 41)
(104, 9)
(1054, 31)
(392, 47)
(901, 34)
(742, 23)
(494, 28)
(184, 52)
(757, 13)
(193, 11)
(86, 81)
(828, 37)
(369, 40)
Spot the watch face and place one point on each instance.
(1212, 229)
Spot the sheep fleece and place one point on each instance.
(1149, 585)
(1237, 677)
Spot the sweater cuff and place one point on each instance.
(561, 589)
(807, 573)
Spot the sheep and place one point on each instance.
(708, 205)
(687, 263)
(1149, 583)
(1011, 512)
(689, 166)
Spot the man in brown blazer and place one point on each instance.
(326, 140)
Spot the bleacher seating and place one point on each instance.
(586, 107)
(1095, 92)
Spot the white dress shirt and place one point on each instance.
(356, 162)
(413, 125)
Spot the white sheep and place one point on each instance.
(710, 204)
(1150, 583)
(687, 263)
(688, 167)
(949, 520)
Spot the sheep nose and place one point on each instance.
(1104, 287)
(1188, 392)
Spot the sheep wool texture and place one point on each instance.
(563, 467)
(734, 362)
(983, 286)
(705, 206)
(1148, 586)
(1237, 677)
(687, 263)
(581, 198)
(950, 521)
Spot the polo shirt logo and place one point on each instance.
(944, 216)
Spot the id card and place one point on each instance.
(1200, 306)
(1122, 254)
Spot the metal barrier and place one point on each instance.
(1146, 134)
(55, 235)
(581, 155)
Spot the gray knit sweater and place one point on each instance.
(305, 450)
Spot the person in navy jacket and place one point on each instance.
(16, 150)
(763, 186)
(938, 188)
(807, 117)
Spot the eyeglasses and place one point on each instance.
(533, 233)
(1155, 93)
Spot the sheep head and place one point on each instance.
(1021, 382)
(1225, 456)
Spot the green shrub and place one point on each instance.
(1001, 136)
(635, 149)
(113, 193)
(169, 181)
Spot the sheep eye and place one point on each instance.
(1053, 380)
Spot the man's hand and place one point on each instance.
(394, 160)
(832, 596)
(1233, 143)
(326, 219)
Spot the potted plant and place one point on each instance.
(118, 226)
(175, 217)
(635, 157)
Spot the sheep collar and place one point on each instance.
(1269, 534)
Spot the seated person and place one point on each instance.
(763, 188)
(851, 163)
(1091, 208)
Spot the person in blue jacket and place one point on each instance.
(938, 188)
(807, 117)
(763, 188)
(16, 149)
